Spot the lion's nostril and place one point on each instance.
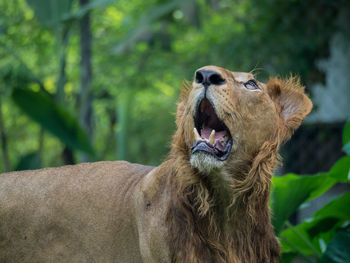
(216, 79)
(199, 77)
(209, 77)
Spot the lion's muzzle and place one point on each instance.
(211, 135)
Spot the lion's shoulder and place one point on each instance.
(97, 178)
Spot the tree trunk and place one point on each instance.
(3, 138)
(63, 39)
(85, 99)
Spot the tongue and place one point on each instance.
(219, 144)
(205, 133)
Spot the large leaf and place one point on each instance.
(290, 191)
(346, 138)
(306, 237)
(338, 249)
(346, 133)
(53, 118)
(87, 8)
(296, 239)
(288, 257)
(338, 208)
(341, 170)
(50, 12)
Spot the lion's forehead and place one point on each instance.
(242, 76)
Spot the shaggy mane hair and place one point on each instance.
(211, 220)
(203, 228)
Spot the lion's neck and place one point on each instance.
(221, 217)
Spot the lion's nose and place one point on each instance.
(208, 77)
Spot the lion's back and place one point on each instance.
(69, 213)
(85, 176)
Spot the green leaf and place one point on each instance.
(53, 118)
(87, 8)
(346, 138)
(288, 257)
(338, 208)
(296, 239)
(341, 170)
(29, 161)
(290, 191)
(321, 225)
(346, 133)
(338, 249)
(50, 12)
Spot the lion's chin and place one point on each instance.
(205, 162)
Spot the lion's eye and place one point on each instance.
(251, 84)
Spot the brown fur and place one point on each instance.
(119, 212)
(212, 222)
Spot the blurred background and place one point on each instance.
(89, 80)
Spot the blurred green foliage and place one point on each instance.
(324, 236)
(142, 51)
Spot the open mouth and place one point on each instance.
(210, 133)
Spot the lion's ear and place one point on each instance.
(291, 102)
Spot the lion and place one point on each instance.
(207, 202)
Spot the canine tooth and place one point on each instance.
(212, 137)
(197, 137)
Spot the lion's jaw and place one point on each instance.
(228, 119)
(205, 163)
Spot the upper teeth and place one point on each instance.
(212, 137)
(197, 137)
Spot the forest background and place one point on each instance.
(84, 80)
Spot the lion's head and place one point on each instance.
(225, 115)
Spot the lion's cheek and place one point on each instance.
(185, 131)
(258, 124)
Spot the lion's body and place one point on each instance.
(81, 213)
(206, 203)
